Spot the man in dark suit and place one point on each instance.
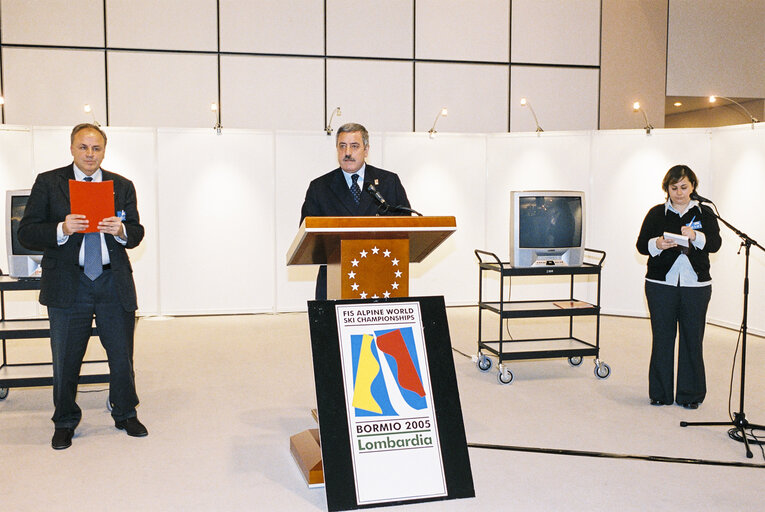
(344, 191)
(86, 275)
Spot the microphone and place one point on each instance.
(372, 190)
(384, 205)
(696, 197)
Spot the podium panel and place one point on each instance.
(374, 269)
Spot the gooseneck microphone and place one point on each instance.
(377, 196)
(696, 197)
(384, 206)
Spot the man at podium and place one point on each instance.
(353, 189)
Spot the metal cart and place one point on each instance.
(573, 348)
(34, 374)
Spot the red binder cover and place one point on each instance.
(93, 199)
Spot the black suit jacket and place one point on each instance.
(330, 196)
(47, 206)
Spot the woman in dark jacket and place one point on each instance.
(678, 288)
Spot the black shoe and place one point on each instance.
(657, 402)
(691, 405)
(132, 426)
(62, 438)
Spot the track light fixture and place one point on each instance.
(527, 103)
(754, 120)
(216, 111)
(335, 112)
(648, 126)
(89, 110)
(441, 113)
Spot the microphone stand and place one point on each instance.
(739, 420)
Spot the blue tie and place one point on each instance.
(355, 190)
(93, 264)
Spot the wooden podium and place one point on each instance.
(366, 258)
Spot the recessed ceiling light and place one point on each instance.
(678, 103)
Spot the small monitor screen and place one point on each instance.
(18, 205)
(549, 222)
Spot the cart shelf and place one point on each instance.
(569, 346)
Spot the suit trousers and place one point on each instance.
(670, 307)
(70, 330)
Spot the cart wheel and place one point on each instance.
(3, 393)
(575, 360)
(484, 363)
(109, 405)
(505, 376)
(602, 370)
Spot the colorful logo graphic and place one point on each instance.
(387, 380)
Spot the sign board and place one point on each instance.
(390, 422)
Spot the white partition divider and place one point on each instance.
(738, 166)
(530, 161)
(16, 172)
(216, 221)
(445, 175)
(300, 157)
(221, 211)
(627, 169)
(132, 152)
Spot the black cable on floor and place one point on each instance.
(462, 353)
(649, 458)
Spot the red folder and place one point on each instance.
(93, 199)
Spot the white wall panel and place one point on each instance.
(216, 226)
(300, 158)
(563, 98)
(132, 152)
(390, 35)
(162, 24)
(51, 147)
(559, 161)
(716, 48)
(216, 185)
(287, 26)
(627, 170)
(444, 176)
(53, 22)
(377, 94)
(16, 172)
(158, 89)
(459, 30)
(738, 182)
(50, 87)
(272, 93)
(16, 165)
(556, 32)
(475, 95)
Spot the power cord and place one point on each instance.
(732, 373)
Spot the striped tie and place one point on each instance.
(93, 264)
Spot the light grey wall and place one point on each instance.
(284, 64)
(716, 47)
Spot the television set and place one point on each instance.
(546, 228)
(22, 262)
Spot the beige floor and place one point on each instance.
(222, 395)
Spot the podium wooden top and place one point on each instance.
(317, 236)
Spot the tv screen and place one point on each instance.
(22, 262)
(550, 222)
(547, 228)
(18, 205)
